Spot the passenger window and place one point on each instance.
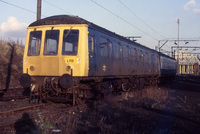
(125, 52)
(136, 55)
(91, 44)
(34, 43)
(129, 53)
(156, 60)
(149, 59)
(146, 58)
(70, 42)
(141, 57)
(115, 49)
(132, 55)
(103, 46)
(120, 52)
(110, 49)
(152, 56)
(51, 42)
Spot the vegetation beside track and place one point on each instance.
(11, 57)
(171, 108)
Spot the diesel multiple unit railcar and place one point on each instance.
(69, 57)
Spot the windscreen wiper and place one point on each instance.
(50, 32)
(68, 33)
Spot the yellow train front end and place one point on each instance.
(57, 53)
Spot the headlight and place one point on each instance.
(68, 68)
(32, 68)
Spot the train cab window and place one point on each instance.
(70, 42)
(34, 43)
(51, 42)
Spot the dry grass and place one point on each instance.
(11, 57)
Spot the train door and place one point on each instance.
(92, 53)
(103, 61)
(50, 59)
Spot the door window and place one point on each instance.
(51, 42)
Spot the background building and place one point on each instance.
(188, 63)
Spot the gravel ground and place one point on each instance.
(169, 109)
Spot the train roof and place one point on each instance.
(161, 54)
(69, 19)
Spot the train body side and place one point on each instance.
(167, 66)
(110, 56)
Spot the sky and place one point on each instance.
(153, 20)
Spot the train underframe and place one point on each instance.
(76, 90)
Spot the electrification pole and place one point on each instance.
(38, 9)
(178, 49)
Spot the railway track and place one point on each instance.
(37, 114)
(13, 94)
(15, 111)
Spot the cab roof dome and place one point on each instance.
(60, 19)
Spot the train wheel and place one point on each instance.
(125, 87)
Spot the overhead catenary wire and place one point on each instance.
(57, 7)
(19, 7)
(141, 19)
(124, 20)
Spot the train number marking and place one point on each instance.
(69, 60)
